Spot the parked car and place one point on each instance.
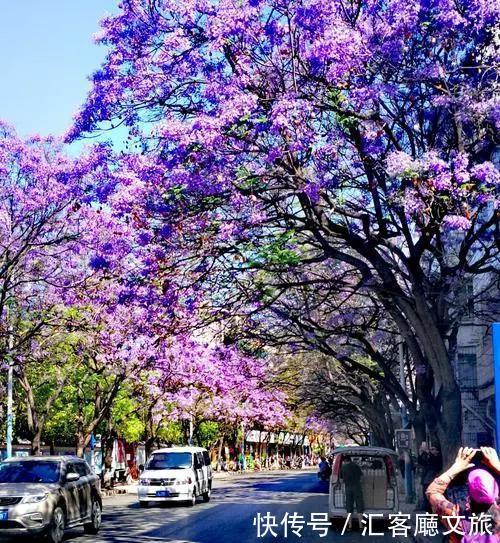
(44, 495)
(176, 474)
(379, 482)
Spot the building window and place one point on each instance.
(467, 375)
(466, 299)
(485, 439)
(469, 439)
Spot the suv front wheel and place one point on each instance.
(55, 533)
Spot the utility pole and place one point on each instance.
(191, 430)
(404, 424)
(243, 445)
(92, 452)
(242, 425)
(10, 386)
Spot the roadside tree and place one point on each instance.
(363, 130)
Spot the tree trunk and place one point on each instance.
(219, 452)
(443, 416)
(108, 445)
(80, 446)
(82, 441)
(380, 434)
(36, 415)
(36, 443)
(103, 401)
(148, 445)
(418, 425)
(446, 417)
(195, 436)
(449, 427)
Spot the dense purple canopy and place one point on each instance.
(271, 134)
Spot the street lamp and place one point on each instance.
(10, 378)
(408, 474)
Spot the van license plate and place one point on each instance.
(4, 515)
(162, 493)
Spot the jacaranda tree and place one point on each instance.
(51, 240)
(274, 132)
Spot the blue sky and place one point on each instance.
(46, 54)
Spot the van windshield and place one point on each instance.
(368, 462)
(171, 460)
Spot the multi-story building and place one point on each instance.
(474, 368)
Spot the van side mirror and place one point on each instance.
(141, 467)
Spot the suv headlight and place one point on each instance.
(144, 482)
(185, 481)
(34, 499)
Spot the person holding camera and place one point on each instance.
(482, 494)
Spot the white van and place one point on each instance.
(179, 474)
(379, 482)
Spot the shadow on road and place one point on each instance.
(227, 518)
(319, 487)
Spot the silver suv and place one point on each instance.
(44, 495)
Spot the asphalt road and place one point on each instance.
(227, 518)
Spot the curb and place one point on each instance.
(108, 493)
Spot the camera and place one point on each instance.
(478, 457)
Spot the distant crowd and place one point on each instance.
(253, 462)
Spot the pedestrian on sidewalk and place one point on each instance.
(430, 461)
(352, 474)
(482, 490)
(241, 462)
(401, 463)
